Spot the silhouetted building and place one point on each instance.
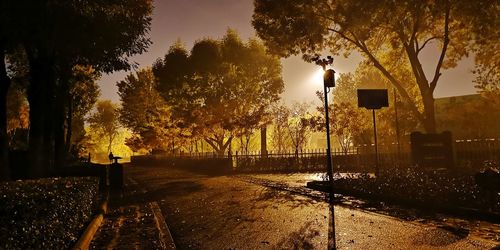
(468, 117)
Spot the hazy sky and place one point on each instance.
(190, 20)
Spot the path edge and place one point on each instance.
(165, 235)
(83, 242)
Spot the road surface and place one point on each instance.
(274, 212)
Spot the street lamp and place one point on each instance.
(328, 82)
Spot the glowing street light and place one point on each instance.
(328, 82)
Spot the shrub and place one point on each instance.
(45, 213)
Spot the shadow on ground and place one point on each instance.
(176, 188)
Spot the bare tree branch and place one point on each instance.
(385, 72)
(343, 36)
(446, 41)
(425, 43)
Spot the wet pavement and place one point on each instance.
(129, 223)
(278, 212)
(295, 183)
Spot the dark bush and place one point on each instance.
(45, 213)
(450, 187)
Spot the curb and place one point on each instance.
(83, 242)
(166, 240)
(165, 235)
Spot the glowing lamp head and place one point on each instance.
(329, 78)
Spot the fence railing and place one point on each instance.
(468, 153)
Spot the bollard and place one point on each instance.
(103, 177)
(116, 175)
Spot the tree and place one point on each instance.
(105, 121)
(83, 94)
(219, 84)
(394, 33)
(144, 111)
(347, 121)
(9, 38)
(487, 69)
(17, 117)
(299, 125)
(280, 115)
(248, 122)
(56, 36)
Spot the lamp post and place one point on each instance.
(328, 82)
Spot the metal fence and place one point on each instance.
(468, 153)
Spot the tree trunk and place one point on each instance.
(218, 145)
(38, 102)
(69, 124)
(4, 140)
(263, 141)
(60, 113)
(51, 116)
(429, 113)
(242, 149)
(110, 143)
(247, 142)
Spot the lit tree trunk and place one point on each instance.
(429, 122)
(242, 149)
(218, 144)
(4, 141)
(111, 138)
(247, 141)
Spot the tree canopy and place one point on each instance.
(144, 111)
(105, 121)
(387, 33)
(220, 88)
(57, 36)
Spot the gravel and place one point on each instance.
(46, 213)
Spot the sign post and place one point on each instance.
(373, 99)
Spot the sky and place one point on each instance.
(190, 20)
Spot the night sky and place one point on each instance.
(190, 20)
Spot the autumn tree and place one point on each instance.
(367, 77)
(387, 33)
(144, 112)
(58, 35)
(9, 40)
(17, 117)
(221, 88)
(299, 125)
(17, 104)
(485, 28)
(346, 120)
(82, 96)
(279, 136)
(105, 121)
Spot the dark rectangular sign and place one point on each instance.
(373, 98)
(432, 150)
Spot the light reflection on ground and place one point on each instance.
(296, 182)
